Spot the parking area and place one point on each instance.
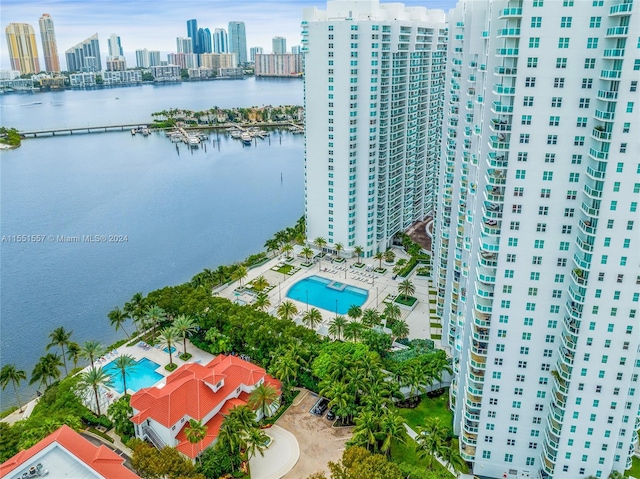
(319, 442)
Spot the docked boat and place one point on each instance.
(235, 134)
(193, 141)
(246, 138)
(145, 131)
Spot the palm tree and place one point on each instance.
(307, 252)
(262, 397)
(168, 337)
(73, 353)
(94, 379)
(260, 283)
(312, 318)
(417, 378)
(118, 318)
(352, 331)
(339, 247)
(451, 457)
(287, 310)
(262, 301)
(47, 367)
(255, 441)
(239, 274)
(399, 330)
(379, 256)
(91, 350)
(336, 326)
(354, 312)
(392, 313)
(364, 434)
(439, 363)
(126, 364)
(358, 250)
(370, 317)
(60, 337)
(430, 441)
(286, 368)
(287, 248)
(272, 245)
(135, 308)
(320, 242)
(13, 375)
(184, 325)
(155, 314)
(341, 399)
(389, 256)
(195, 432)
(406, 289)
(392, 429)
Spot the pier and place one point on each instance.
(81, 130)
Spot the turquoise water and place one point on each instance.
(316, 292)
(166, 350)
(142, 375)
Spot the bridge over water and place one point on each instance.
(81, 130)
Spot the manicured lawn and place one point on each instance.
(429, 407)
(285, 268)
(635, 468)
(436, 336)
(407, 453)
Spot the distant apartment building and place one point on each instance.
(45, 80)
(296, 49)
(536, 245)
(115, 46)
(201, 73)
(205, 41)
(220, 41)
(125, 77)
(279, 45)
(49, 44)
(23, 50)
(184, 45)
(374, 84)
(85, 56)
(82, 80)
(218, 60)
(116, 64)
(253, 51)
(238, 41)
(184, 60)
(9, 74)
(17, 84)
(166, 72)
(278, 65)
(147, 58)
(234, 72)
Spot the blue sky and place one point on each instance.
(155, 24)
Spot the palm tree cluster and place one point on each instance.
(283, 240)
(240, 435)
(214, 114)
(435, 440)
(419, 373)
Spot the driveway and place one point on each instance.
(279, 458)
(319, 442)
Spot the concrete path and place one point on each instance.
(20, 414)
(279, 458)
(412, 434)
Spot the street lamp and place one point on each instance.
(336, 307)
(307, 300)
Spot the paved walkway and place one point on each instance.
(20, 414)
(412, 434)
(279, 458)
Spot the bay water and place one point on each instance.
(171, 211)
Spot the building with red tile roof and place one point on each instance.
(195, 391)
(65, 453)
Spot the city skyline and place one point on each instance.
(156, 25)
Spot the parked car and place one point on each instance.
(320, 407)
(331, 415)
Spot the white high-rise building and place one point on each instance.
(253, 51)
(220, 41)
(373, 107)
(539, 294)
(279, 45)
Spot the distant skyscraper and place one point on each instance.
(142, 58)
(220, 41)
(238, 41)
(296, 49)
(192, 33)
(49, 45)
(253, 51)
(23, 51)
(154, 58)
(278, 65)
(115, 47)
(369, 179)
(184, 45)
(279, 45)
(85, 56)
(204, 40)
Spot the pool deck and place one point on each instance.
(379, 287)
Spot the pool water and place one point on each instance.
(166, 350)
(142, 375)
(317, 292)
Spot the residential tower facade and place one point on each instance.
(536, 244)
(85, 56)
(374, 77)
(49, 44)
(238, 41)
(23, 50)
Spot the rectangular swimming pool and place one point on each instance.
(327, 294)
(142, 375)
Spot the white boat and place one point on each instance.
(246, 138)
(236, 134)
(193, 141)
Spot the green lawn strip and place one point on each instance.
(285, 268)
(429, 407)
(436, 336)
(635, 468)
(407, 301)
(407, 453)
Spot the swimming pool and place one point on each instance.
(327, 294)
(166, 350)
(142, 375)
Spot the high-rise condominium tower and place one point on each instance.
(192, 33)
(537, 244)
(115, 46)
(253, 51)
(184, 45)
(220, 41)
(85, 56)
(238, 41)
(49, 45)
(205, 43)
(373, 108)
(23, 51)
(279, 45)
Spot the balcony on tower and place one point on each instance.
(510, 32)
(623, 8)
(500, 141)
(504, 108)
(617, 32)
(514, 12)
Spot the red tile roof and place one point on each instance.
(101, 459)
(188, 391)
